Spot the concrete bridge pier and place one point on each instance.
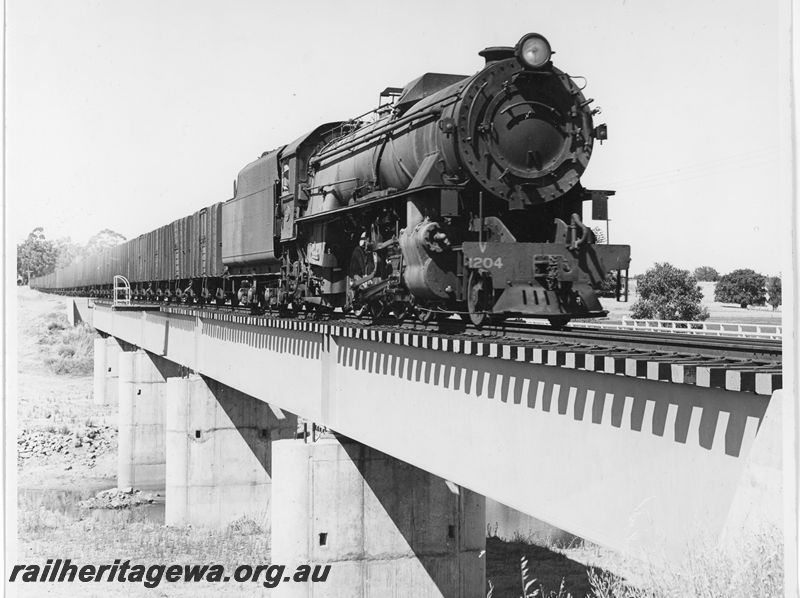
(106, 369)
(386, 527)
(141, 459)
(219, 450)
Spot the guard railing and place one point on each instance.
(728, 329)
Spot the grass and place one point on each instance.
(751, 566)
(67, 350)
(55, 518)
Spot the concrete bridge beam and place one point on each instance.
(380, 523)
(141, 460)
(219, 450)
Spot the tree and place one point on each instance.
(41, 256)
(744, 286)
(706, 274)
(67, 251)
(774, 292)
(105, 239)
(36, 254)
(668, 293)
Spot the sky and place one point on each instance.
(129, 114)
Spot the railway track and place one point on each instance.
(764, 354)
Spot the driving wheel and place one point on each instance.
(480, 295)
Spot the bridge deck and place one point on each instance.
(608, 445)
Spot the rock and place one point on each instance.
(68, 467)
(114, 498)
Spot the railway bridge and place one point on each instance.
(411, 441)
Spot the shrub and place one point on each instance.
(67, 349)
(668, 293)
(744, 286)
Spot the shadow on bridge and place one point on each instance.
(437, 526)
(255, 421)
(276, 340)
(419, 506)
(649, 407)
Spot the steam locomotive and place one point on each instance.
(458, 194)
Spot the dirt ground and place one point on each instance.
(55, 406)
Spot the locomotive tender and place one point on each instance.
(459, 194)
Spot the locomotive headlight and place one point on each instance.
(533, 50)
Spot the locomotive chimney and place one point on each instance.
(495, 53)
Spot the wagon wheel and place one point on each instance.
(480, 295)
(205, 296)
(219, 296)
(268, 301)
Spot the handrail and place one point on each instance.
(122, 291)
